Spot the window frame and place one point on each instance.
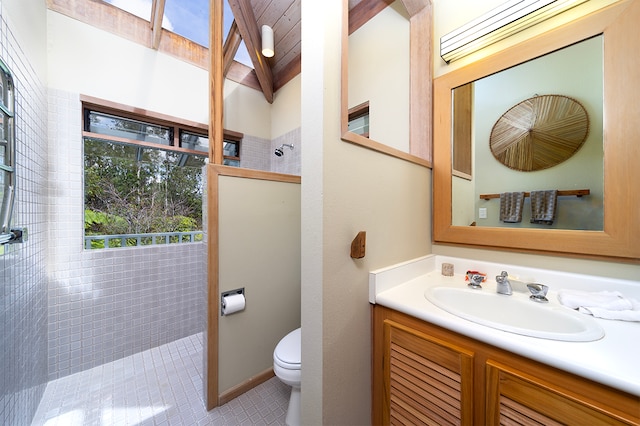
(357, 112)
(124, 111)
(174, 124)
(235, 138)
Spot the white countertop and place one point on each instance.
(613, 360)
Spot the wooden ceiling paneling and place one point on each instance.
(284, 17)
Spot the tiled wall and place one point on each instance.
(258, 154)
(23, 283)
(290, 162)
(108, 304)
(255, 153)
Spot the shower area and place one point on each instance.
(65, 309)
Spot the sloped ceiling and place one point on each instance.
(284, 17)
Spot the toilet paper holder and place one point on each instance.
(229, 293)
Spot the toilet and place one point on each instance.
(286, 366)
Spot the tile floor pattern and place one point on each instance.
(160, 386)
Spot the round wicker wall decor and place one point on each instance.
(539, 132)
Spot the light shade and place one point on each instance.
(267, 41)
(499, 23)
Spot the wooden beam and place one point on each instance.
(361, 13)
(365, 10)
(415, 6)
(216, 80)
(243, 14)
(240, 73)
(157, 13)
(421, 76)
(216, 134)
(231, 46)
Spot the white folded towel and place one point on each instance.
(626, 315)
(610, 300)
(603, 304)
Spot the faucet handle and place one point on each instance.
(538, 292)
(475, 279)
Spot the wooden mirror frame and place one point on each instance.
(619, 239)
(420, 77)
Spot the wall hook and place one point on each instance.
(358, 245)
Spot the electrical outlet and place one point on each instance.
(482, 213)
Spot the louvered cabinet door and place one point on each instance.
(427, 381)
(517, 397)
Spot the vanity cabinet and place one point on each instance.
(424, 374)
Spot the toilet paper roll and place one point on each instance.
(232, 303)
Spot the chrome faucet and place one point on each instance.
(503, 284)
(538, 292)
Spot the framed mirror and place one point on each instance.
(546, 141)
(386, 69)
(617, 27)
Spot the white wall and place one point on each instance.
(462, 201)
(89, 61)
(27, 19)
(285, 110)
(449, 15)
(345, 189)
(246, 110)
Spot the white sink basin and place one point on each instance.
(516, 314)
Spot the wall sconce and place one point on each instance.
(267, 41)
(499, 23)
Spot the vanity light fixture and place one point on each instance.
(499, 23)
(267, 41)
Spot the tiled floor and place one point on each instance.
(161, 386)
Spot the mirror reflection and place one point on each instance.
(479, 178)
(378, 77)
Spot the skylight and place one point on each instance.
(189, 19)
(140, 8)
(242, 55)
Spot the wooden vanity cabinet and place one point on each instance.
(424, 374)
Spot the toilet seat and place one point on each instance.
(287, 353)
(286, 366)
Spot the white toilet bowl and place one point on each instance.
(286, 365)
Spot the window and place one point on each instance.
(7, 152)
(194, 141)
(231, 148)
(143, 180)
(359, 119)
